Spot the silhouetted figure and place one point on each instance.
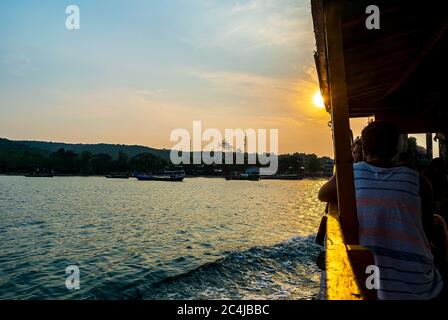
(357, 152)
(436, 173)
(396, 222)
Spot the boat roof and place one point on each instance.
(396, 73)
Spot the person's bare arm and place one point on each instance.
(328, 192)
(426, 196)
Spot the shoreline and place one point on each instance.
(313, 177)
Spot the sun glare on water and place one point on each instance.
(318, 100)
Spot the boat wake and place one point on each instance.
(283, 271)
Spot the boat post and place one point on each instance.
(359, 257)
(340, 123)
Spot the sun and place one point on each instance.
(318, 100)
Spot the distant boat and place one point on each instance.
(250, 174)
(39, 175)
(254, 177)
(243, 176)
(170, 176)
(117, 176)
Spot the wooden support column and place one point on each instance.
(340, 122)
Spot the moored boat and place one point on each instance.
(39, 175)
(250, 174)
(244, 176)
(170, 176)
(117, 176)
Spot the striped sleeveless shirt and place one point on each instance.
(390, 225)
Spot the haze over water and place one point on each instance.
(200, 239)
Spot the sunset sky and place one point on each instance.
(139, 69)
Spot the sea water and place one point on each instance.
(204, 238)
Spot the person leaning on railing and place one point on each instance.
(396, 221)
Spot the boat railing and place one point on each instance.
(346, 265)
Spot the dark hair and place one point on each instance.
(380, 139)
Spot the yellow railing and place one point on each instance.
(345, 264)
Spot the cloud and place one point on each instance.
(255, 24)
(254, 68)
(267, 95)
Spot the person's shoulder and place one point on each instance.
(360, 165)
(406, 169)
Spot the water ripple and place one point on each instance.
(201, 239)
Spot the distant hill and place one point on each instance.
(16, 147)
(110, 149)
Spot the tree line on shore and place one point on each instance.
(86, 163)
(67, 162)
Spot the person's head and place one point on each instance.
(380, 140)
(357, 153)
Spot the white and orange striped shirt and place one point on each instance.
(390, 225)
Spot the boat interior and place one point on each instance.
(395, 73)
